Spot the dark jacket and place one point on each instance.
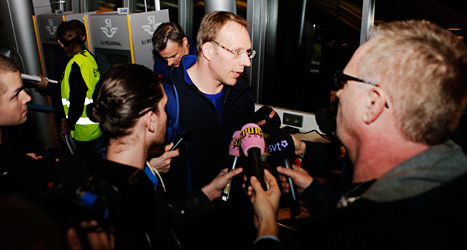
(419, 204)
(432, 220)
(204, 155)
(206, 151)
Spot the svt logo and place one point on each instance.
(277, 146)
(108, 30)
(51, 28)
(152, 25)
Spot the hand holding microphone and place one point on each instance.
(252, 144)
(234, 151)
(281, 147)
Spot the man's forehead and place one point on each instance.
(354, 61)
(232, 31)
(170, 49)
(11, 81)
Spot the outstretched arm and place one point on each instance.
(265, 204)
(300, 178)
(214, 189)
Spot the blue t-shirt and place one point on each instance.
(216, 99)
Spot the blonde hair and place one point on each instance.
(212, 23)
(423, 69)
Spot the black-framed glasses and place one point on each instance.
(237, 54)
(340, 79)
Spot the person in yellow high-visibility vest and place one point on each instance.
(79, 80)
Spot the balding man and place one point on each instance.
(401, 96)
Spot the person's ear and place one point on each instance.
(61, 44)
(207, 50)
(150, 118)
(185, 42)
(375, 101)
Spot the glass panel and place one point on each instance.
(313, 39)
(144, 5)
(450, 14)
(108, 5)
(198, 13)
(172, 6)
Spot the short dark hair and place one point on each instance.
(81, 27)
(71, 37)
(165, 32)
(123, 94)
(6, 65)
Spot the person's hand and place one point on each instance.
(300, 147)
(300, 178)
(98, 239)
(64, 128)
(162, 163)
(214, 189)
(33, 155)
(265, 204)
(43, 83)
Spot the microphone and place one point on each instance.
(252, 143)
(267, 119)
(282, 148)
(234, 151)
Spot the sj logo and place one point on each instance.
(51, 28)
(151, 26)
(108, 30)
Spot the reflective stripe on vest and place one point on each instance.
(85, 129)
(65, 102)
(84, 121)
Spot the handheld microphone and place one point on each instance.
(181, 138)
(252, 143)
(282, 148)
(267, 119)
(234, 151)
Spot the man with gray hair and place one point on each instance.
(401, 96)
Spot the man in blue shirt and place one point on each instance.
(170, 45)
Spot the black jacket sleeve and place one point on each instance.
(190, 210)
(78, 91)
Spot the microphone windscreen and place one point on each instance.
(267, 119)
(326, 121)
(280, 144)
(234, 147)
(251, 137)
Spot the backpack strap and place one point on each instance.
(172, 109)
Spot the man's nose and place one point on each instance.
(170, 61)
(245, 60)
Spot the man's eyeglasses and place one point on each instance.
(237, 54)
(340, 79)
